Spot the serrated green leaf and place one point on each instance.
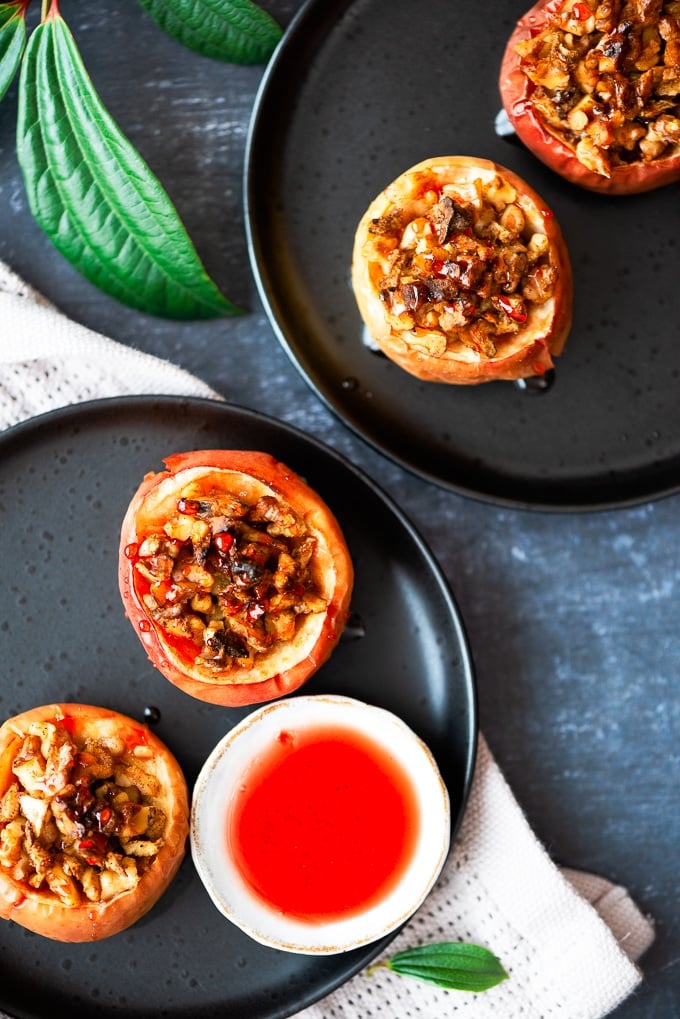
(450, 964)
(236, 31)
(12, 42)
(94, 195)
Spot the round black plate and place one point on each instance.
(358, 92)
(65, 481)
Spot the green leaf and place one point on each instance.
(12, 41)
(236, 31)
(450, 964)
(94, 195)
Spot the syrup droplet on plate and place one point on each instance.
(536, 384)
(152, 714)
(503, 125)
(504, 128)
(354, 627)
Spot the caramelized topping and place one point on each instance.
(606, 79)
(466, 270)
(227, 578)
(80, 820)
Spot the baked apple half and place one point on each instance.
(94, 819)
(235, 575)
(462, 275)
(592, 88)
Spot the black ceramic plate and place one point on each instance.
(359, 91)
(65, 481)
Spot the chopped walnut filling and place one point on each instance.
(231, 578)
(80, 820)
(466, 271)
(606, 79)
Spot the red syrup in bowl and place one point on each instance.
(324, 823)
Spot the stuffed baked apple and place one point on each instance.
(462, 275)
(592, 88)
(94, 819)
(235, 575)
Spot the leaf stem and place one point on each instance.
(49, 7)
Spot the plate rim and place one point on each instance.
(644, 492)
(78, 412)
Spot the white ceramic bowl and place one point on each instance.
(226, 773)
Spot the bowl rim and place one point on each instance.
(219, 874)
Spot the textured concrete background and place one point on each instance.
(572, 618)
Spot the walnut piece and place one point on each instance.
(79, 818)
(606, 79)
(466, 270)
(229, 578)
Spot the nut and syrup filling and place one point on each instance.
(467, 271)
(226, 580)
(80, 819)
(606, 79)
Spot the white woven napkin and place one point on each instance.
(570, 941)
(47, 360)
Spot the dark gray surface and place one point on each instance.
(572, 619)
